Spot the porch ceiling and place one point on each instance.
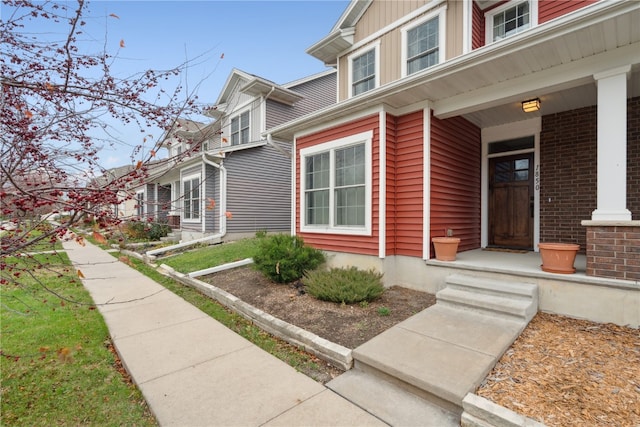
(554, 62)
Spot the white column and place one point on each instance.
(612, 145)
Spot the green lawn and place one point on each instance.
(211, 256)
(56, 368)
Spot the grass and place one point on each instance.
(212, 255)
(57, 368)
(292, 355)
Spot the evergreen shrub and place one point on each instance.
(344, 285)
(284, 258)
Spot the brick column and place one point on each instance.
(613, 249)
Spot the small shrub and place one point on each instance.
(141, 230)
(344, 285)
(261, 233)
(283, 258)
(384, 311)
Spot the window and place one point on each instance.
(140, 204)
(510, 19)
(363, 72)
(422, 43)
(336, 187)
(240, 129)
(191, 198)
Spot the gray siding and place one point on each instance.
(259, 190)
(211, 189)
(318, 93)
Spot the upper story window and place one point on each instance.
(510, 19)
(240, 129)
(336, 186)
(364, 71)
(423, 43)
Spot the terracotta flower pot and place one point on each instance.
(446, 248)
(558, 257)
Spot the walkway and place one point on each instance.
(192, 370)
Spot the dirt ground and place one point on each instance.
(347, 325)
(560, 371)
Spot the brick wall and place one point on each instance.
(568, 172)
(613, 252)
(568, 175)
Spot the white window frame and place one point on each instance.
(248, 128)
(184, 198)
(331, 146)
(140, 208)
(359, 53)
(488, 24)
(441, 14)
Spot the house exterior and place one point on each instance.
(225, 169)
(430, 134)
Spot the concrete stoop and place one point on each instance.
(490, 296)
(173, 236)
(441, 354)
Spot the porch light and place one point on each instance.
(531, 105)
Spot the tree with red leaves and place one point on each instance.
(57, 107)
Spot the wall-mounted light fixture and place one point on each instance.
(531, 105)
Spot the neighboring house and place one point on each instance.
(430, 134)
(226, 168)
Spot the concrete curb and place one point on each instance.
(320, 347)
(480, 412)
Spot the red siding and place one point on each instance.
(477, 27)
(367, 245)
(391, 170)
(409, 182)
(549, 9)
(455, 180)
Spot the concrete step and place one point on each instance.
(173, 236)
(390, 402)
(439, 354)
(492, 296)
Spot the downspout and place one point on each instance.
(223, 194)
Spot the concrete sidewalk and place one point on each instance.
(192, 370)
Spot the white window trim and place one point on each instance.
(441, 13)
(364, 137)
(182, 181)
(237, 115)
(488, 23)
(140, 209)
(358, 53)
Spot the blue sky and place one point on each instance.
(266, 38)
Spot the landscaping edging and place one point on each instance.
(318, 346)
(481, 412)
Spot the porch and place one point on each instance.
(575, 295)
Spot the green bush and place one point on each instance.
(344, 285)
(141, 230)
(283, 258)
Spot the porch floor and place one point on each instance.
(525, 264)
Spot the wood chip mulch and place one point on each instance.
(568, 372)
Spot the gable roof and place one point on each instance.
(499, 75)
(342, 34)
(254, 86)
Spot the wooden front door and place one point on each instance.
(511, 201)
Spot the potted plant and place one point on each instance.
(446, 247)
(558, 257)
